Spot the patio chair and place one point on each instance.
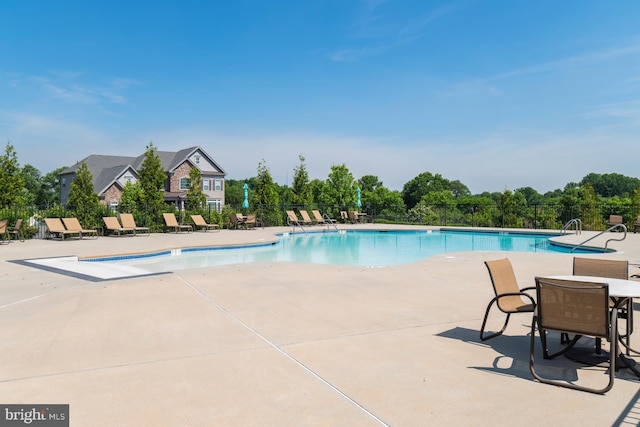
(114, 227)
(128, 221)
(306, 219)
(16, 231)
(236, 220)
(573, 307)
(4, 233)
(508, 296)
(72, 224)
(615, 220)
(615, 269)
(252, 220)
(292, 219)
(55, 228)
(636, 224)
(320, 219)
(344, 216)
(201, 224)
(171, 222)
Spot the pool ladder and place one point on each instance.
(576, 223)
(606, 244)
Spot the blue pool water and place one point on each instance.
(357, 248)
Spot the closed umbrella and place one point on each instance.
(245, 202)
(358, 201)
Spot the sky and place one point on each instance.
(497, 94)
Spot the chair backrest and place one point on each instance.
(305, 215)
(251, 219)
(16, 228)
(615, 219)
(353, 215)
(293, 218)
(198, 220)
(615, 269)
(317, 215)
(72, 224)
(128, 221)
(574, 307)
(170, 219)
(111, 222)
(3, 226)
(504, 281)
(54, 225)
(344, 215)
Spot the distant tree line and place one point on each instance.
(426, 197)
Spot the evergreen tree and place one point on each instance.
(196, 199)
(152, 177)
(83, 199)
(266, 196)
(301, 191)
(10, 177)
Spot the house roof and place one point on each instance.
(107, 169)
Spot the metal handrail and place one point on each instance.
(328, 221)
(575, 221)
(606, 244)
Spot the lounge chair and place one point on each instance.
(508, 296)
(55, 228)
(201, 224)
(615, 220)
(128, 221)
(580, 308)
(171, 222)
(320, 219)
(344, 216)
(72, 224)
(252, 221)
(114, 227)
(356, 217)
(292, 219)
(236, 220)
(306, 219)
(16, 231)
(4, 233)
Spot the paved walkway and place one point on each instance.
(281, 344)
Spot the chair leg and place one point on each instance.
(484, 323)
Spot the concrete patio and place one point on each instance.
(282, 344)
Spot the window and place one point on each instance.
(205, 184)
(185, 183)
(218, 185)
(197, 160)
(215, 204)
(63, 181)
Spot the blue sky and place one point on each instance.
(496, 94)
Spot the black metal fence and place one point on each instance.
(592, 216)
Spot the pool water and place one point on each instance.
(355, 248)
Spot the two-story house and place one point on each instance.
(111, 173)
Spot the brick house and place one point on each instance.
(111, 173)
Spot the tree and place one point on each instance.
(414, 190)
(266, 196)
(131, 198)
(10, 178)
(301, 191)
(50, 188)
(196, 199)
(341, 186)
(151, 181)
(32, 181)
(83, 199)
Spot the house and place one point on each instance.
(111, 173)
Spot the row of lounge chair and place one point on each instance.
(318, 219)
(68, 227)
(618, 220)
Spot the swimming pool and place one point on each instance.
(356, 248)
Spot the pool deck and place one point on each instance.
(286, 344)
